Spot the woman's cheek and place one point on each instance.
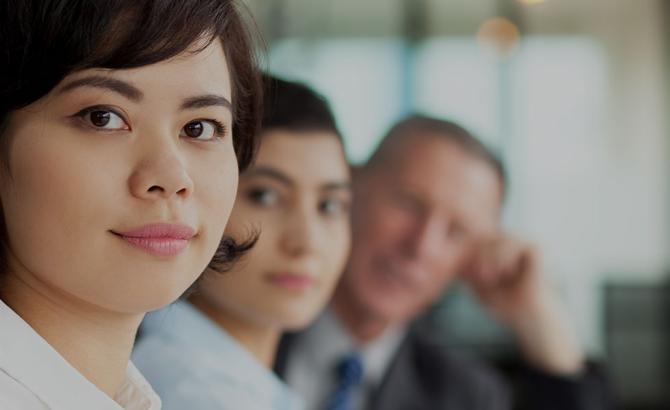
(339, 247)
(216, 186)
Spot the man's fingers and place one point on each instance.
(500, 262)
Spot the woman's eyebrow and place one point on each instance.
(270, 173)
(208, 100)
(336, 186)
(97, 81)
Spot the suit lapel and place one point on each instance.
(401, 386)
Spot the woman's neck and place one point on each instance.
(94, 341)
(261, 341)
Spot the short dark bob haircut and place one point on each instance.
(43, 41)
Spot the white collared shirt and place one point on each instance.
(34, 376)
(316, 353)
(196, 365)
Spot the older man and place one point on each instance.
(426, 213)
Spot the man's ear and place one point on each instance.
(359, 175)
(355, 171)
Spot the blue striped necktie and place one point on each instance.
(349, 372)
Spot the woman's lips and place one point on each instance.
(162, 239)
(295, 282)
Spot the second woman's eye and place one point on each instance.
(333, 206)
(203, 130)
(263, 196)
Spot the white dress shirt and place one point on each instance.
(34, 376)
(310, 369)
(196, 365)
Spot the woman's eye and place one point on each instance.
(202, 130)
(104, 119)
(333, 207)
(263, 197)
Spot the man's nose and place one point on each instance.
(428, 239)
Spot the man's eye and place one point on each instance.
(456, 232)
(406, 201)
(203, 130)
(263, 196)
(102, 118)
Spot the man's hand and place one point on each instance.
(505, 273)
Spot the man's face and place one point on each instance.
(416, 217)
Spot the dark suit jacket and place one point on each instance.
(425, 375)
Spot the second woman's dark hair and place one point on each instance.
(292, 106)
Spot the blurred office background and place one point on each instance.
(572, 93)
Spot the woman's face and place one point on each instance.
(120, 182)
(298, 195)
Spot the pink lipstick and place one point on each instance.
(295, 282)
(161, 239)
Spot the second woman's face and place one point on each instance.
(121, 182)
(298, 196)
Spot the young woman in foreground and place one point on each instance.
(123, 125)
(215, 350)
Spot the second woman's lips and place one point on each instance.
(162, 239)
(296, 282)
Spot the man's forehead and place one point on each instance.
(441, 171)
(427, 153)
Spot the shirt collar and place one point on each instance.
(136, 393)
(34, 363)
(378, 354)
(328, 340)
(215, 349)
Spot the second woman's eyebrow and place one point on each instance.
(284, 179)
(336, 186)
(270, 173)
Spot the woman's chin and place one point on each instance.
(152, 299)
(297, 321)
